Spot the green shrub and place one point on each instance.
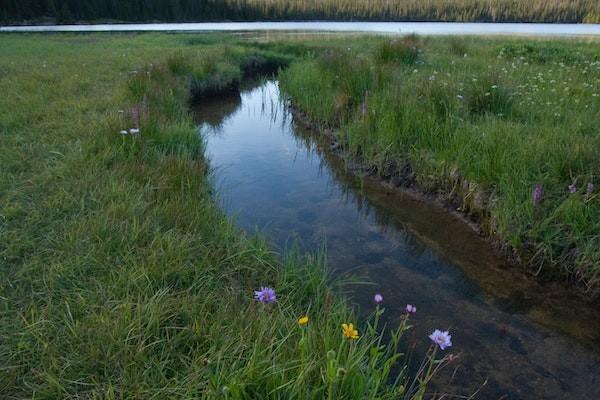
(178, 64)
(403, 51)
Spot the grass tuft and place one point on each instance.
(404, 51)
(488, 95)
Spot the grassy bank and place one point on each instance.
(119, 276)
(551, 11)
(506, 130)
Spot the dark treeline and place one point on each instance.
(66, 11)
(70, 11)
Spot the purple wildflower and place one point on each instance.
(573, 188)
(378, 298)
(538, 194)
(265, 295)
(411, 309)
(441, 338)
(590, 188)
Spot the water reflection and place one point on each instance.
(421, 28)
(213, 112)
(524, 338)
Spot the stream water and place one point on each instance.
(525, 339)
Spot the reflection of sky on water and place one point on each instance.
(323, 27)
(274, 177)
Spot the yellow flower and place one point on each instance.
(349, 331)
(303, 320)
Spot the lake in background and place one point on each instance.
(421, 28)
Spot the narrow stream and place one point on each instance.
(529, 341)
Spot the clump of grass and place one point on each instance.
(296, 48)
(213, 80)
(487, 95)
(347, 80)
(263, 63)
(405, 51)
(458, 46)
(178, 64)
(441, 99)
(541, 53)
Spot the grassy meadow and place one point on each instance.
(120, 278)
(506, 130)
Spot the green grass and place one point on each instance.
(120, 278)
(479, 122)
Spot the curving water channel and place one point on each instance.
(527, 340)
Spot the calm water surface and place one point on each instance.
(528, 341)
(423, 28)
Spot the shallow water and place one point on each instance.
(527, 340)
(422, 28)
